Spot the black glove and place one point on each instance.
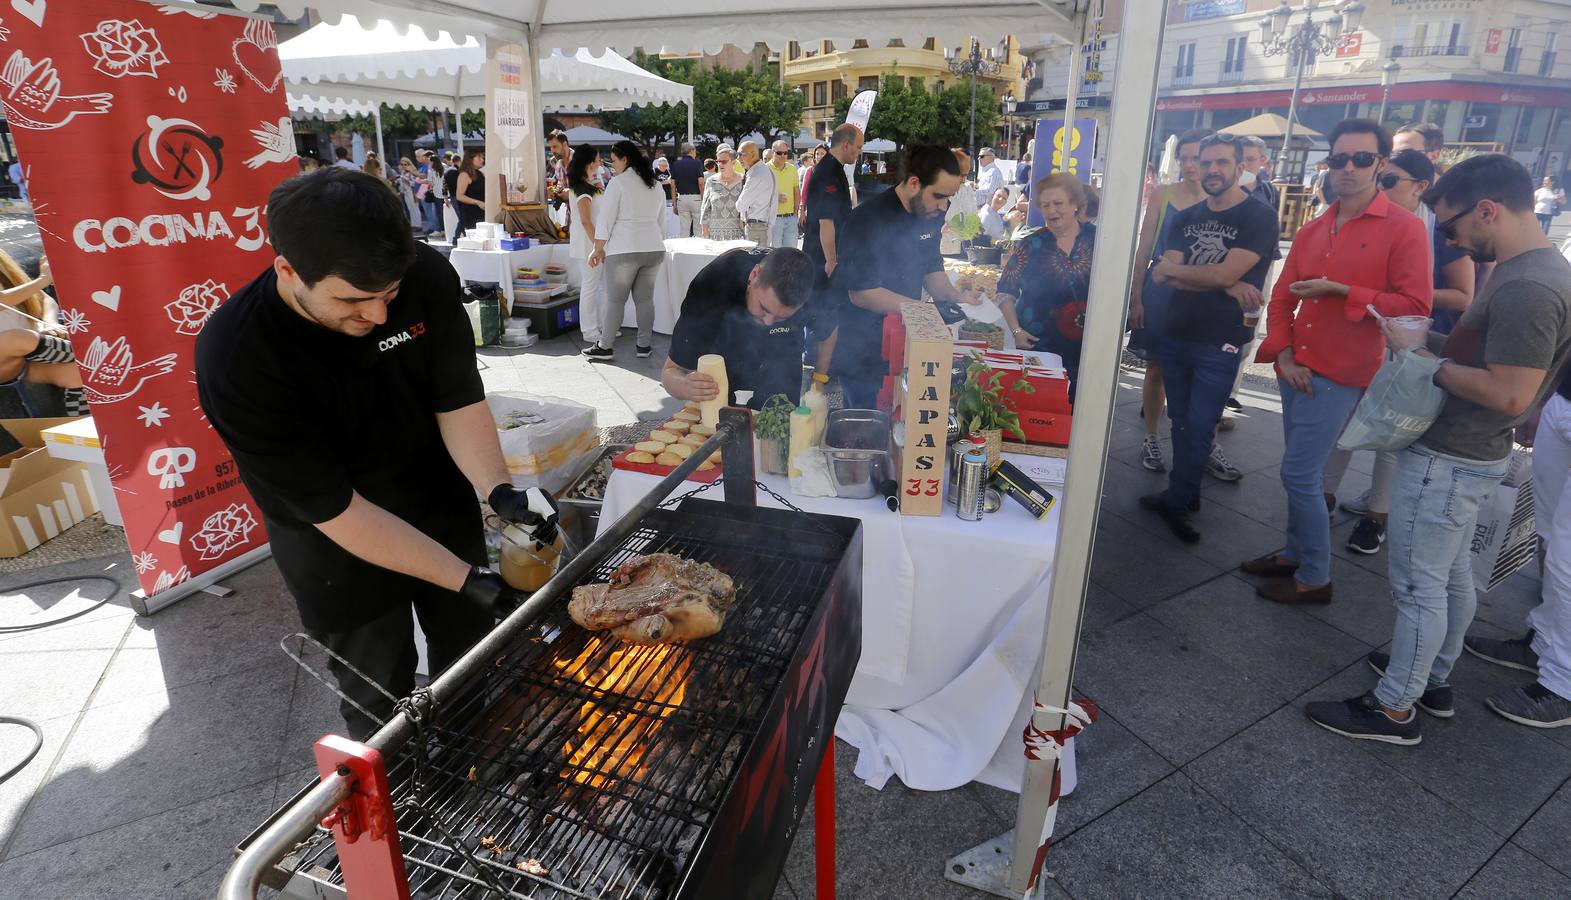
(533, 509)
(487, 589)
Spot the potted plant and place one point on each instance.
(772, 425)
(980, 407)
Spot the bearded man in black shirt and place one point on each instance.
(343, 381)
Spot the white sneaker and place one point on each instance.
(1151, 454)
(1358, 506)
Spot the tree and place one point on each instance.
(954, 114)
(902, 113)
(734, 103)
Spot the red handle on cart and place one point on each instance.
(364, 828)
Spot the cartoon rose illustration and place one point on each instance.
(124, 48)
(223, 530)
(195, 305)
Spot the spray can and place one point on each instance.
(971, 488)
(961, 448)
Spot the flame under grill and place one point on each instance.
(611, 764)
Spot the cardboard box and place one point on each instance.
(929, 347)
(40, 496)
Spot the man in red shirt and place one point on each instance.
(1363, 252)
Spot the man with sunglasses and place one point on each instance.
(1363, 253)
(1494, 367)
(1219, 254)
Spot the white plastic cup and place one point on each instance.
(1419, 324)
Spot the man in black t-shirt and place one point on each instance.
(1217, 267)
(688, 173)
(343, 381)
(752, 307)
(888, 254)
(828, 200)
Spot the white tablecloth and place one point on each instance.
(499, 265)
(949, 648)
(684, 259)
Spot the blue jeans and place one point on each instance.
(1310, 427)
(1434, 508)
(1199, 379)
(431, 211)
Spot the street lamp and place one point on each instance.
(1388, 75)
(1302, 43)
(1009, 112)
(973, 65)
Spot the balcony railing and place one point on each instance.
(1400, 52)
(1183, 80)
(1232, 77)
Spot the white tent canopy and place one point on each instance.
(347, 68)
(697, 25)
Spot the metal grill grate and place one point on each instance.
(514, 775)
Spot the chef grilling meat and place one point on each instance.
(754, 308)
(343, 381)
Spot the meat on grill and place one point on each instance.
(659, 598)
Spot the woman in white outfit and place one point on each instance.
(583, 177)
(629, 243)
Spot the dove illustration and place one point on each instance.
(31, 95)
(109, 375)
(277, 143)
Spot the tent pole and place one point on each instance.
(690, 122)
(458, 114)
(1072, 101)
(1113, 263)
(381, 152)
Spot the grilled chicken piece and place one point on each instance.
(658, 598)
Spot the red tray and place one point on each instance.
(620, 462)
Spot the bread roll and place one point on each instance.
(668, 459)
(688, 415)
(681, 450)
(650, 446)
(706, 465)
(692, 440)
(640, 456)
(663, 436)
(677, 426)
(702, 429)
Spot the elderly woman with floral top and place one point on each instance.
(1043, 289)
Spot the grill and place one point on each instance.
(572, 765)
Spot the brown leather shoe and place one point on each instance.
(1268, 566)
(1285, 590)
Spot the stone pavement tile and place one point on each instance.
(1125, 483)
(15, 742)
(1111, 766)
(203, 637)
(1258, 495)
(1341, 812)
(154, 753)
(313, 712)
(1516, 875)
(1275, 645)
(1140, 567)
(1546, 834)
(1362, 607)
(891, 843)
(1496, 771)
(1228, 537)
(286, 786)
(784, 891)
(1174, 840)
(53, 671)
(33, 605)
(1173, 694)
(1103, 608)
(176, 854)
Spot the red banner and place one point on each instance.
(151, 136)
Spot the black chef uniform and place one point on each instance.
(764, 359)
(828, 199)
(312, 415)
(881, 246)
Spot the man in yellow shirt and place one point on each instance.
(783, 229)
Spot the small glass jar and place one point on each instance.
(527, 564)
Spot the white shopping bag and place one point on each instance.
(1506, 536)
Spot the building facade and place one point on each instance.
(825, 72)
(1491, 73)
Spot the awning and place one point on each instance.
(1271, 126)
(1335, 94)
(346, 67)
(683, 26)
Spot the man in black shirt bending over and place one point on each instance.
(753, 307)
(343, 380)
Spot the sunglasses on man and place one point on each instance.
(1447, 229)
(1363, 159)
(1390, 180)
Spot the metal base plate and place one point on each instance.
(985, 867)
